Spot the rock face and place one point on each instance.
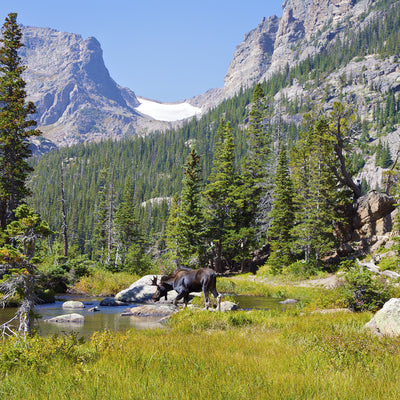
(374, 215)
(141, 292)
(252, 57)
(75, 96)
(387, 320)
(305, 28)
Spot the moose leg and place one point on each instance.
(184, 295)
(218, 296)
(180, 295)
(206, 299)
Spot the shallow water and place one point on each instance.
(109, 318)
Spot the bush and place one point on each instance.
(301, 269)
(364, 291)
(388, 263)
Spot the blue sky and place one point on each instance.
(163, 50)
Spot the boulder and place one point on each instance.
(67, 318)
(289, 301)
(373, 215)
(228, 306)
(111, 302)
(149, 310)
(387, 320)
(141, 291)
(73, 304)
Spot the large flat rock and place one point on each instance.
(141, 292)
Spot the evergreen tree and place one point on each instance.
(126, 224)
(172, 233)
(220, 206)
(316, 192)
(18, 244)
(191, 220)
(100, 234)
(257, 164)
(282, 214)
(15, 124)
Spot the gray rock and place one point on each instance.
(94, 309)
(228, 306)
(111, 302)
(73, 304)
(150, 310)
(141, 292)
(289, 301)
(387, 320)
(67, 318)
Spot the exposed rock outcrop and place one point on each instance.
(305, 28)
(387, 320)
(374, 215)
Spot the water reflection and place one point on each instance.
(109, 318)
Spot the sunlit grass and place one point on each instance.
(104, 283)
(240, 355)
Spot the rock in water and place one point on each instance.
(73, 304)
(150, 311)
(67, 318)
(387, 320)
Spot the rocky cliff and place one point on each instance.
(305, 28)
(75, 96)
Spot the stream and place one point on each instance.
(109, 318)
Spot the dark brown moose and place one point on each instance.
(184, 281)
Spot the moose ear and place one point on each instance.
(153, 281)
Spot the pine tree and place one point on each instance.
(191, 220)
(172, 231)
(257, 164)
(282, 214)
(100, 233)
(18, 243)
(316, 192)
(126, 224)
(220, 206)
(15, 124)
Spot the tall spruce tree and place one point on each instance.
(15, 123)
(282, 214)
(256, 165)
(100, 232)
(126, 224)
(172, 231)
(191, 218)
(316, 193)
(220, 206)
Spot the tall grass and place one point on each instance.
(104, 283)
(241, 355)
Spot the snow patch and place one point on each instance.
(167, 111)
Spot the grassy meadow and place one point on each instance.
(297, 354)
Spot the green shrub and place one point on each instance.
(388, 263)
(364, 291)
(301, 269)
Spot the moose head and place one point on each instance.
(161, 289)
